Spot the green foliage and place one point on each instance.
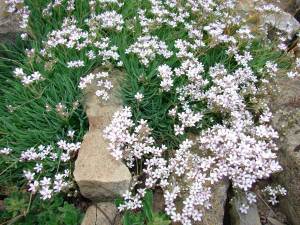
(20, 210)
(146, 215)
(16, 204)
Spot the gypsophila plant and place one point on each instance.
(196, 78)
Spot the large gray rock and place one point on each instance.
(287, 121)
(239, 218)
(104, 213)
(99, 176)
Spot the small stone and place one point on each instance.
(104, 213)
(239, 218)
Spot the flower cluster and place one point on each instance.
(43, 186)
(5, 151)
(148, 47)
(274, 193)
(209, 74)
(69, 36)
(42, 152)
(103, 85)
(38, 178)
(107, 20)
(27, 79)
(75, 64)
(250, 199)
(124, 144)
(165, 73)
(162, 13)
(187, 118)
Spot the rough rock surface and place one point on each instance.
(283, 21)
(8, 23)
(104, 213)
(215, 215)
(290, 6)
(287, 121)
(238, 218)
(99, 176)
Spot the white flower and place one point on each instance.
(139, 96)
(178, 130)
(38, 167)
(33, 187)
(5, 151)
(59, 184)
(172, 112)
(274, 193)
(100, 79)
(28, 175)
(110, 19)
(46, 192)
(244, 208)
(71, 133)
(27, 79)
(251, 197)
(166, 74)
(45, 182)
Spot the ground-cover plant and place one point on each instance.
(196, 80)
(146, 215)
